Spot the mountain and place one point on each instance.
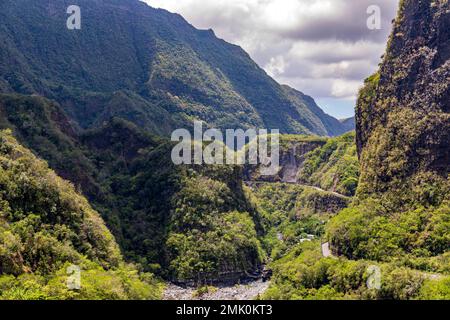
(403, 121)
(349, 123)
(47, 227)
(403, 142)
(145, 65)
(330, 164)
(96, 104)
(186, 223)
(397, 229)
(319, 122)
(326, 225)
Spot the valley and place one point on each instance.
(219, 188)
(358, 210)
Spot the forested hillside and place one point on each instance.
(45, 227)
(400, 218)
(93, 110)
(181, 222)
(147, 66)
(403, 142)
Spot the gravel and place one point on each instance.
(249, 291)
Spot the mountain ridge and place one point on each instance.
(146, 65)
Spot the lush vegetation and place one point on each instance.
(184, 222)
(181, 222)
(208, 236)
(334, 166)
(199, 223)
(400, 218)
(292, 213)
(147, 66)
(402, 211)
(366, 231)
(45, 226)
(305, 274)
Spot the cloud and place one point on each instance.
(276, 66)
(321, 47)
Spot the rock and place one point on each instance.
(402, 117)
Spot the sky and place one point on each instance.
(323, 48)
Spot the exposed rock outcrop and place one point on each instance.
(293, 152)
(402, 118)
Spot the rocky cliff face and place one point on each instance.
(403, 122)
(403, 128)
(293, 152)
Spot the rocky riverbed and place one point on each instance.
(248, 291)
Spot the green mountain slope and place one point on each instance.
(145, 65)
(330, 164)
(172, 219)
(334, 166)
(403, 112)
(196, 224)
(45, 227)
(186, 223)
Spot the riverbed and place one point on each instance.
(248, 291)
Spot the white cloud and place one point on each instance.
(276, 66)
(345, 89)
(321, 47)
(332, 50)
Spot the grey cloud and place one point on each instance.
(348, 24)
(321, 47)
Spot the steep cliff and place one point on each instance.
(402, 118)
(47, 227)
(403, 141)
